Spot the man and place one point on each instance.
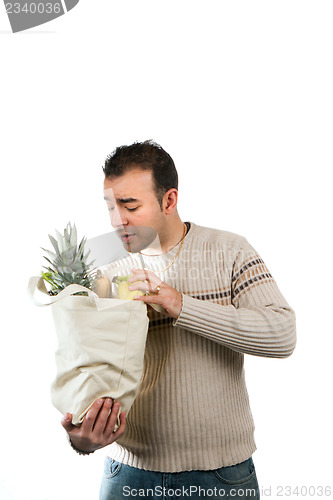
(190, 429)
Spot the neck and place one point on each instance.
(166, 242)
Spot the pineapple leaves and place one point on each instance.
(73, 236)
(61, 241)
(68, 265)
(54, 243)
(51, 254)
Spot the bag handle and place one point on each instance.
(37, 283)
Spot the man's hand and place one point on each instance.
(97, 428)
(167, 297)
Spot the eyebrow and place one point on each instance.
(123, 200)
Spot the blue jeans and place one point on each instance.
(121, 481)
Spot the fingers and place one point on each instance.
(91, 416)
(66, 422)
(97, 429)
(121, 427)
(170, 299)
(145, 287)
(141, 274)
(149, 299)
(149, 280)
(105, 421)
(112, 420)
(103, 416)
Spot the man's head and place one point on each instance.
(147, 155)
(140, 188)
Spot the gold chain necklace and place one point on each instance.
(173, 260)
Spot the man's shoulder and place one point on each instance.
(218, 236)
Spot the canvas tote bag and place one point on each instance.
(101, 344)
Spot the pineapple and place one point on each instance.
(68, 265)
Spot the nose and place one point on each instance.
(118, 219)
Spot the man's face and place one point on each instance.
(134, 209)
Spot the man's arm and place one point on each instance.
(267, 331)
(258, 321)
(97, 428)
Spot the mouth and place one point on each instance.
(126, 238)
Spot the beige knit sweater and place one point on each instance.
(192, 410)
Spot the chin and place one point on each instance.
(132, 248)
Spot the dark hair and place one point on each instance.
(147, 155)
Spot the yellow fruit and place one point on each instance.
(125, 293)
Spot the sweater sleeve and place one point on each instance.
(258, 321)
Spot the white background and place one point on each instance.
(240, 94)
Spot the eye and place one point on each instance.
(132, 209)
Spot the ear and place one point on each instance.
(170, 201)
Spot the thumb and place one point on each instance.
(66, 422)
